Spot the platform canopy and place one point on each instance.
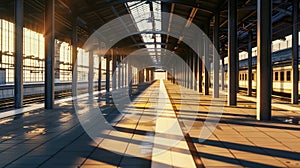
(92, 14)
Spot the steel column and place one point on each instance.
(123, 73)
(126, 74)
(141, 76)
(114, 69)
(216, 58)
(187, 73)
(206, 61)
(147, 75)
(74, 43)
(183, 73)
(49, 53)
(130, 80)
(200, 62)
(107, 80)
(295, 53)
(264, 60)
(232, 52)
(152, 74)
(191, 79)
(223, 75)
(91, 73)
(195, 70)
(250, 63)
(119, 72)
(19, 21)
(100, 73)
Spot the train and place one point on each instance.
(282, 79)
(281, 74)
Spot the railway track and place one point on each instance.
(8, 103)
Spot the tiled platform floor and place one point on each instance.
(55, 138)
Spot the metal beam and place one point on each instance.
(295, 53)
(19, 23)
(190, 3)
(216, 58)
(264, 60)
(49, 53)
(232, 51)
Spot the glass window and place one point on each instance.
(276, 76)
(288, 75)
(281, 76)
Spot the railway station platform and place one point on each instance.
(164, 127)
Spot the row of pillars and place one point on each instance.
(264, 56)
(49, 53)
(122, 75)
(264, 59)
(118, 80)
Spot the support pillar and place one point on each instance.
(126, 74)
(114, 68)
(19, 21)
(91, 73)
(107, 80)
(119, 72)
(206, 62)
(191, 79)
(74, 43)
(57, 61)
(100, 73)
(223, 76)
(195, 70)
(264, 60)
(216, 58)
(152, 74)
(141, 76)
(130, 80)
(183, 74)
(250, 63)
(232, 52)
(147, 75)
(49, 53)
(123, 73)
(200, 62)
(295, 53)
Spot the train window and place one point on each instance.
(253, 76)
(276, 76)
(282, 76)
(288, 75)
(245, 76)
(240, 76)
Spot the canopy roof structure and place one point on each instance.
(90, 15)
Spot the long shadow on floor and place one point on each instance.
(252, 149)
